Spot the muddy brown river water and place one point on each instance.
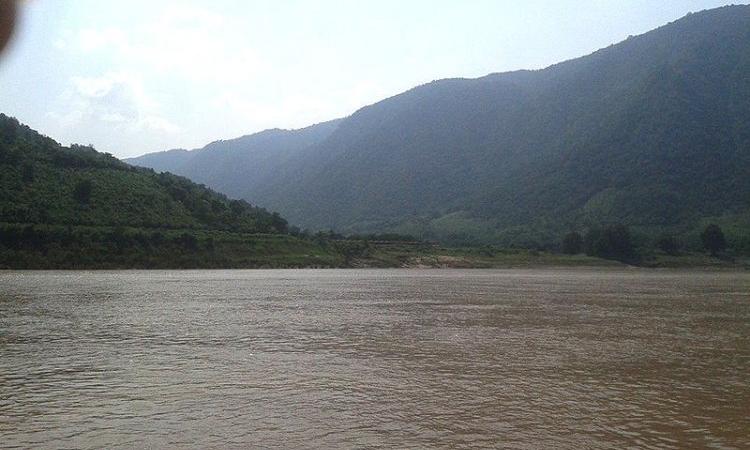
(375, 358)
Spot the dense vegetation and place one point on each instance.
(76, 207)
(44, 183)
(652, 133)
(82, 247)
(617, 242)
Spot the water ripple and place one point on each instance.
(375, 359)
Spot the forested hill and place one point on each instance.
(73, 207)
(42, 182)
(653, 132)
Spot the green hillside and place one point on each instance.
(653, 132)
(75, 207)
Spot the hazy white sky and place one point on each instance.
(136, 76)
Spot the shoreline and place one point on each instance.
(604, 265)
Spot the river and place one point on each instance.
(543, 358)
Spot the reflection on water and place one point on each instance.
(396, 358)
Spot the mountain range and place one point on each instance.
(653, 132)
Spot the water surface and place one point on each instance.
(375, 358)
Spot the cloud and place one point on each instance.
(116, 100)
(180, 56)
(183, 75)
(92, 39)
(182, 41)
(159, 124)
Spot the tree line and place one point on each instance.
(616, 242)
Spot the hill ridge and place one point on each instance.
(651, 132)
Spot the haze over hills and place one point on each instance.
(653, 132)
(239, 167)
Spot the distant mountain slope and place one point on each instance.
(167, 161)
(238, 167)
(652, 132)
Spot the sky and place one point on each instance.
(137, 76)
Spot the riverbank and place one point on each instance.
(59, 247)
(82, 247)
(471, 258)
(490, 258)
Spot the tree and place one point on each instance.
(237, 207)
(119, 238)
(32, 237)
(27, 173)
(612, 242)
(82, 191)
(572, 243)
(279, 224)
(217, 206)
(713, 239)
(187, 241)
(352, 249)
(156, 238)
(8, 129)
(668, 244)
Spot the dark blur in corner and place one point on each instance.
(7, 22)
